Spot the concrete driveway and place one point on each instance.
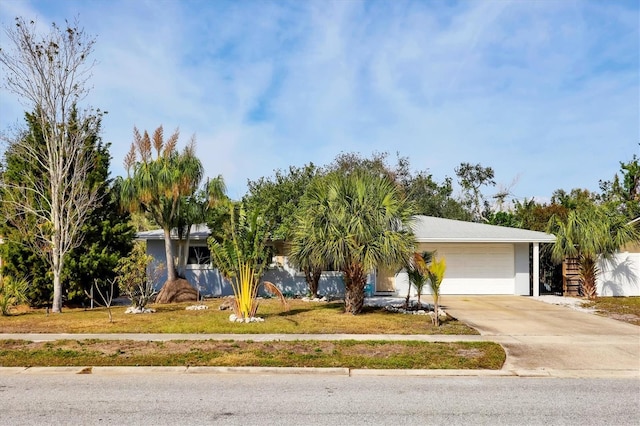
(544, 339)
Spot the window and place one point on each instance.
(199, 255)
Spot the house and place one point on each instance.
(198, 271)
(620, 275)
(481, 259)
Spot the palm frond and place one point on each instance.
(271, 288)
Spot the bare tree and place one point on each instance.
(471, 178)
(49, 74)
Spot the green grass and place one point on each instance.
(302, 317)
(621, 308)
(346, 354)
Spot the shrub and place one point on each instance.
(134, 279)
(12, 293)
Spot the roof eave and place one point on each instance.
(484, 240)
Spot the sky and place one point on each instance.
(545, 92)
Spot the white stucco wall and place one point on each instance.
(521, 254)
(620, 276)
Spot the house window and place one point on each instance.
(199, 255)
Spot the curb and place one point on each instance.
(346, 372)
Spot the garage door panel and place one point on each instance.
(476, 268)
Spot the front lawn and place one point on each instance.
(620, 308)
(302, 317)
(344, 354)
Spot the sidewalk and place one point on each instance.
(540, 340)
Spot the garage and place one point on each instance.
(481, 258)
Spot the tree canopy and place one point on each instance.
(159, 178)
(355, 221)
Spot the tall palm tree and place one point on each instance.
(355, 221)
(587, 234)
(157, 182)
(192, 211)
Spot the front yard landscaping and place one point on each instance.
(302, 317)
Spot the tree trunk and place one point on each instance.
(588, 277)
(183, 253)
(313, 280)
(56, 256)
(354, 282)
(172, 274)
(56, 304)
(436, 308)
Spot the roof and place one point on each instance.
(198, 232)
(429, 229)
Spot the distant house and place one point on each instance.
(481, 259)
(620, 275)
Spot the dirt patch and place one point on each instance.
(470, 353)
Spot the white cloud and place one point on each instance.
(545, 90)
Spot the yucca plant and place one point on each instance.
(435, 271)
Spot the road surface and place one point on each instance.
(245, 399)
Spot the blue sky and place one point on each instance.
(545, 92)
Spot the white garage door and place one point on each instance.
(476, 268)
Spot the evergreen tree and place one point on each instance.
(107, 234)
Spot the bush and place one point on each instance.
(12, 293)
(133, 278)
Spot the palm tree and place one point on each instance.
(417, 272)
(435, 271)
(355, 221)
(192, 211)
(587, 234)
(158, 183)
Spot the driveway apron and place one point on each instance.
(538, 336)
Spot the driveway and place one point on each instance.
(542, 338)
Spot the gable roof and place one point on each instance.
(429, 229)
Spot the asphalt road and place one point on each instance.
(177, 399)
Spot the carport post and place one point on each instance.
(536, 269)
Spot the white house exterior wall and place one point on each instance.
(522, 269)
(620, 276)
